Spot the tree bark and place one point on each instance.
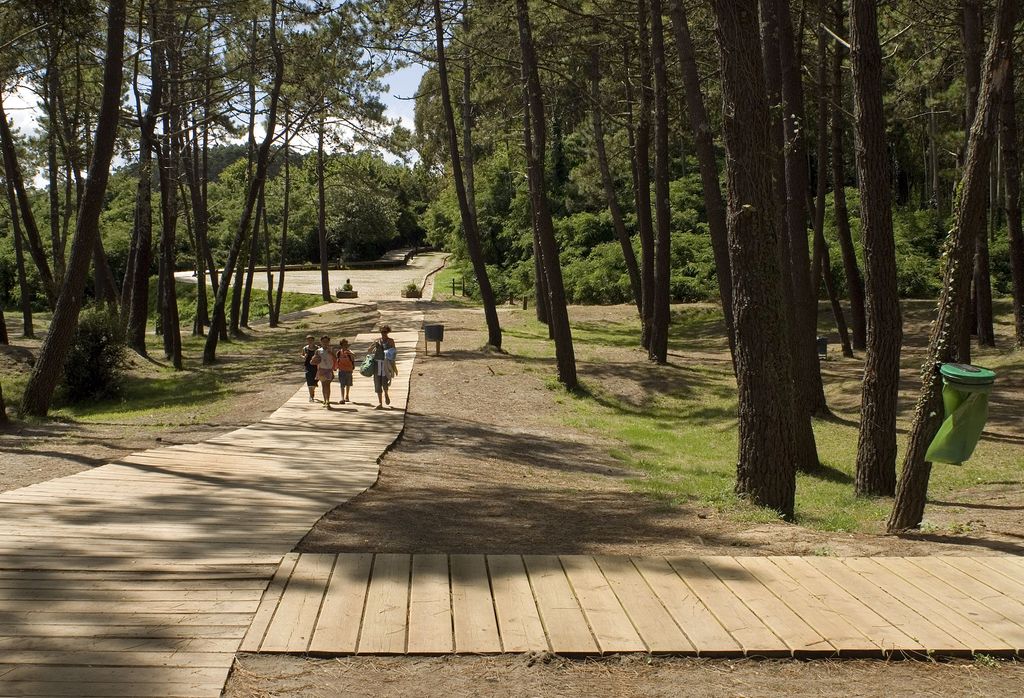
(768, 453)
(821, 262)
(473, 246)
(48, 368)
(772, 79)
(255, 186)
(535, 146)
(135, 289)
(642, 177)
(35, 244)
(1011, 172)
(854, 281)
(809, 386)
(704, 148)
(286, 210)
(876, 444)
(663, 239)
(607, 184)
(972, 35)
(969, 212)
(19, 260)
(321, 210)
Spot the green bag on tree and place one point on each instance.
(965, 400)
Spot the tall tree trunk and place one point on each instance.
(972, 35)
(535, 146)
(822, 263)
(662, 243)
(642, 177)
(473, 246)
(854, 281)
(876, 443)
(1011, 171)
(607, 184)
(704, 147)
(810, 386)
(51, 87)
(768, 453)
(276, 316)
(169, 321)
(254, 253)
(255, 186)
(135, 289)
(321, 210)
(969, 212)
(48, 367)
(468, 169)
(772, 64)
(35, 243)
(19, 259)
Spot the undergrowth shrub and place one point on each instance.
(94, 366)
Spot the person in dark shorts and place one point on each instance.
(344, 364)
(308, 352)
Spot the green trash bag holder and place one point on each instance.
(965, 392)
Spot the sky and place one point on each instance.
(21, 105)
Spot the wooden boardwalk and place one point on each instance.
(582, 605)
(140, 577)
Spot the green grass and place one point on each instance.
(677, 429)
(258, 307)
(154, 395)
(443, 287)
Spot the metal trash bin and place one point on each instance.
(965, 400)
(435, 334)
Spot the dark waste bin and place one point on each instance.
(822, 347)
(965, 390)
(434, 333)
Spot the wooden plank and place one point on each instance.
(560, 612)
(476, 628)
(951, 622)
(974, 601)
(701, 627)
(608, 620)
(907, 620)
(126, 606)
(26, 593)
(798, 635)
(76, 643)
(162, 689)
(1003, 565)
(387, 605)
(654, 624)
(337, 628)
(986, 575)
(756, 638)
(268, 604)
(430, 606)
(118, 658)
(90, 674)
(886, 636)
(519, 621)
(815, 611)
(111, 617)
(291, 627)
(136, 632)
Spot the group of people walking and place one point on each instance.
(323, 360)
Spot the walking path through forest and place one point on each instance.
(146, 575)
(140, 577)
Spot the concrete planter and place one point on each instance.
(347, 294)
(409, 293)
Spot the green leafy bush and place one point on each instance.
(94, 366)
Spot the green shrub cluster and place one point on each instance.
(95, 364)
